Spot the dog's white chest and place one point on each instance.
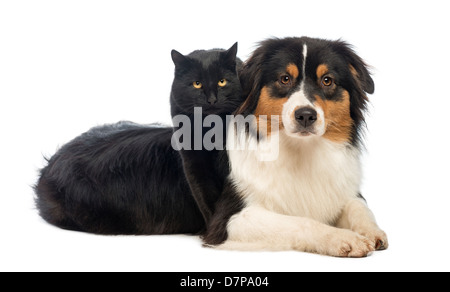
(312, 178)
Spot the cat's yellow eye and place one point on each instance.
(222, 82)
(197, 84)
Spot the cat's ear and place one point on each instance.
(178, 58)
(230, 54)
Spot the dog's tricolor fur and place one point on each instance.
(309, 198)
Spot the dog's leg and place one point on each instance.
(255, 228)
(357, 217)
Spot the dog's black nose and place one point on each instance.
(306, 116)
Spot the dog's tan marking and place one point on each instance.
(292, 70)
(338, 121)
(321, 71)
(267, 107)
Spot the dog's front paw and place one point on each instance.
(377, 236)
(346, 243)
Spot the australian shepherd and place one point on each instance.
(307, 197)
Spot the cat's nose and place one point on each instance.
(212, 99)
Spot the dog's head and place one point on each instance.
(317, 88)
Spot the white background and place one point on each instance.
(66, 66)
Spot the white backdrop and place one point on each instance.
(66, 66)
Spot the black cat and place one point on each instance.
(128, 179)
(216, 90)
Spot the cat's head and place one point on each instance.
(206, 79)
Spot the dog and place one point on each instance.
(308, 198)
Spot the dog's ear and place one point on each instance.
(362, 84)
(358, 68)
(362, 77)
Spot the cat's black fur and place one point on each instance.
(206, 170)
(127, 179)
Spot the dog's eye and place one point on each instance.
(327, 81)
(285, 79)
(197, 84)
